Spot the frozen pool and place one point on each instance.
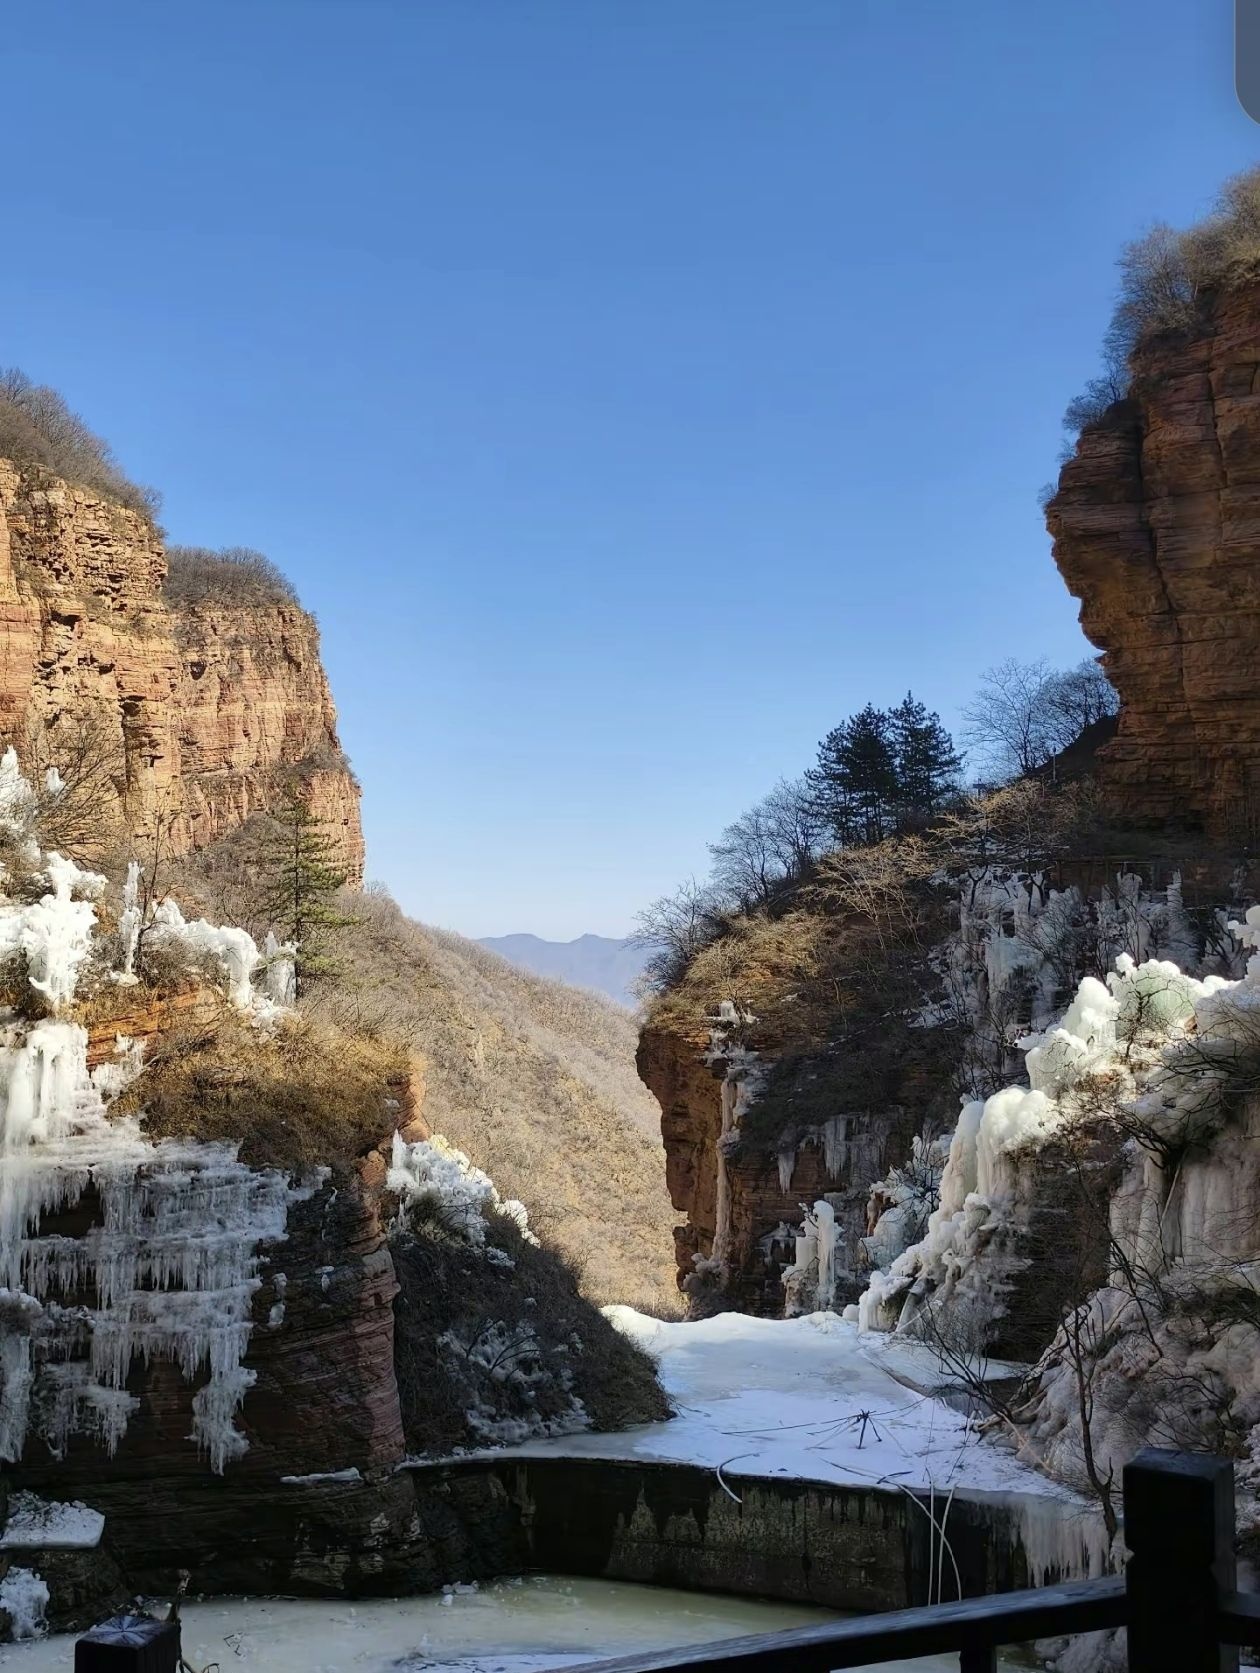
(513, 1626)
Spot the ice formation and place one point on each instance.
(433, 1177)
(1018, 938)
(1147, 1007)
(37, 1524)
(235, 949)
(171, 1261)
(24, 1598)
(169, 1272)
(739, 1083)
(1166, 1345)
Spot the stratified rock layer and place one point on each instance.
(766, 1187)
(210, 708)
(1156, 527)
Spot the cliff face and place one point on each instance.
(741, 1194)
(323, 1400)
(230, 1362)
(1156, 527)
(205, 708)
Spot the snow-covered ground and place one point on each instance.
(812, 1398)
(35, 1524)
(516, 1626)
(816, 1399)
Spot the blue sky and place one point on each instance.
(634, 388)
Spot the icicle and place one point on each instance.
(17, 802)
(825, 1219)
(835, 1137)
(280, 970)
(129, 923)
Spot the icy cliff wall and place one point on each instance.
(1138, 1123)
(769, 1141)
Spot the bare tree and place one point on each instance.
(1007, 722)
(676, 928)
(231, 575)
(1078, 699)
(78, 774)
(38, 427)
(775, 841)
(1025, 712)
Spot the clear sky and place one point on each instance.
(634, 388)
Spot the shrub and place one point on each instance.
(1164, 277)
(309, 1095)
(38, 428)
(232, 575)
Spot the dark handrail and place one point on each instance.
(1011, 1618)
(1176, 1598)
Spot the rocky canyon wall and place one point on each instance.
(207, 709)
(740, 1196)
(1156, 526)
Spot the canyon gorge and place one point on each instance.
(309, 1292)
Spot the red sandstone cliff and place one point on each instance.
(740, 1167)
(209, 707)
(1156, 527)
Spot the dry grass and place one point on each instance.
(535, 1080)
(308, 1095)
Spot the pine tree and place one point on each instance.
(872, 767)
(828, 782)
(854, 781)
(927, 764)
(304, 878)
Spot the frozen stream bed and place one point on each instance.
(515, 1626)
(812, 1398)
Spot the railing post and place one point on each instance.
(1179, 1526)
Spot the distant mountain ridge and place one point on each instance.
(601, 962)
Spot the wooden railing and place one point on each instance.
(1176, 1597)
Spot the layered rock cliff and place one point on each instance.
(1156, 526)
(741, 1202)
(785, 1077)
(206, 709)
(241, 1280)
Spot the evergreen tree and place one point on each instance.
(872, 768)
(303, 879)
(828, 783)
(855, 778)
(927, 764)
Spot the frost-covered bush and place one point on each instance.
(513, 1389)
(438, 1185)
(494, 1343)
